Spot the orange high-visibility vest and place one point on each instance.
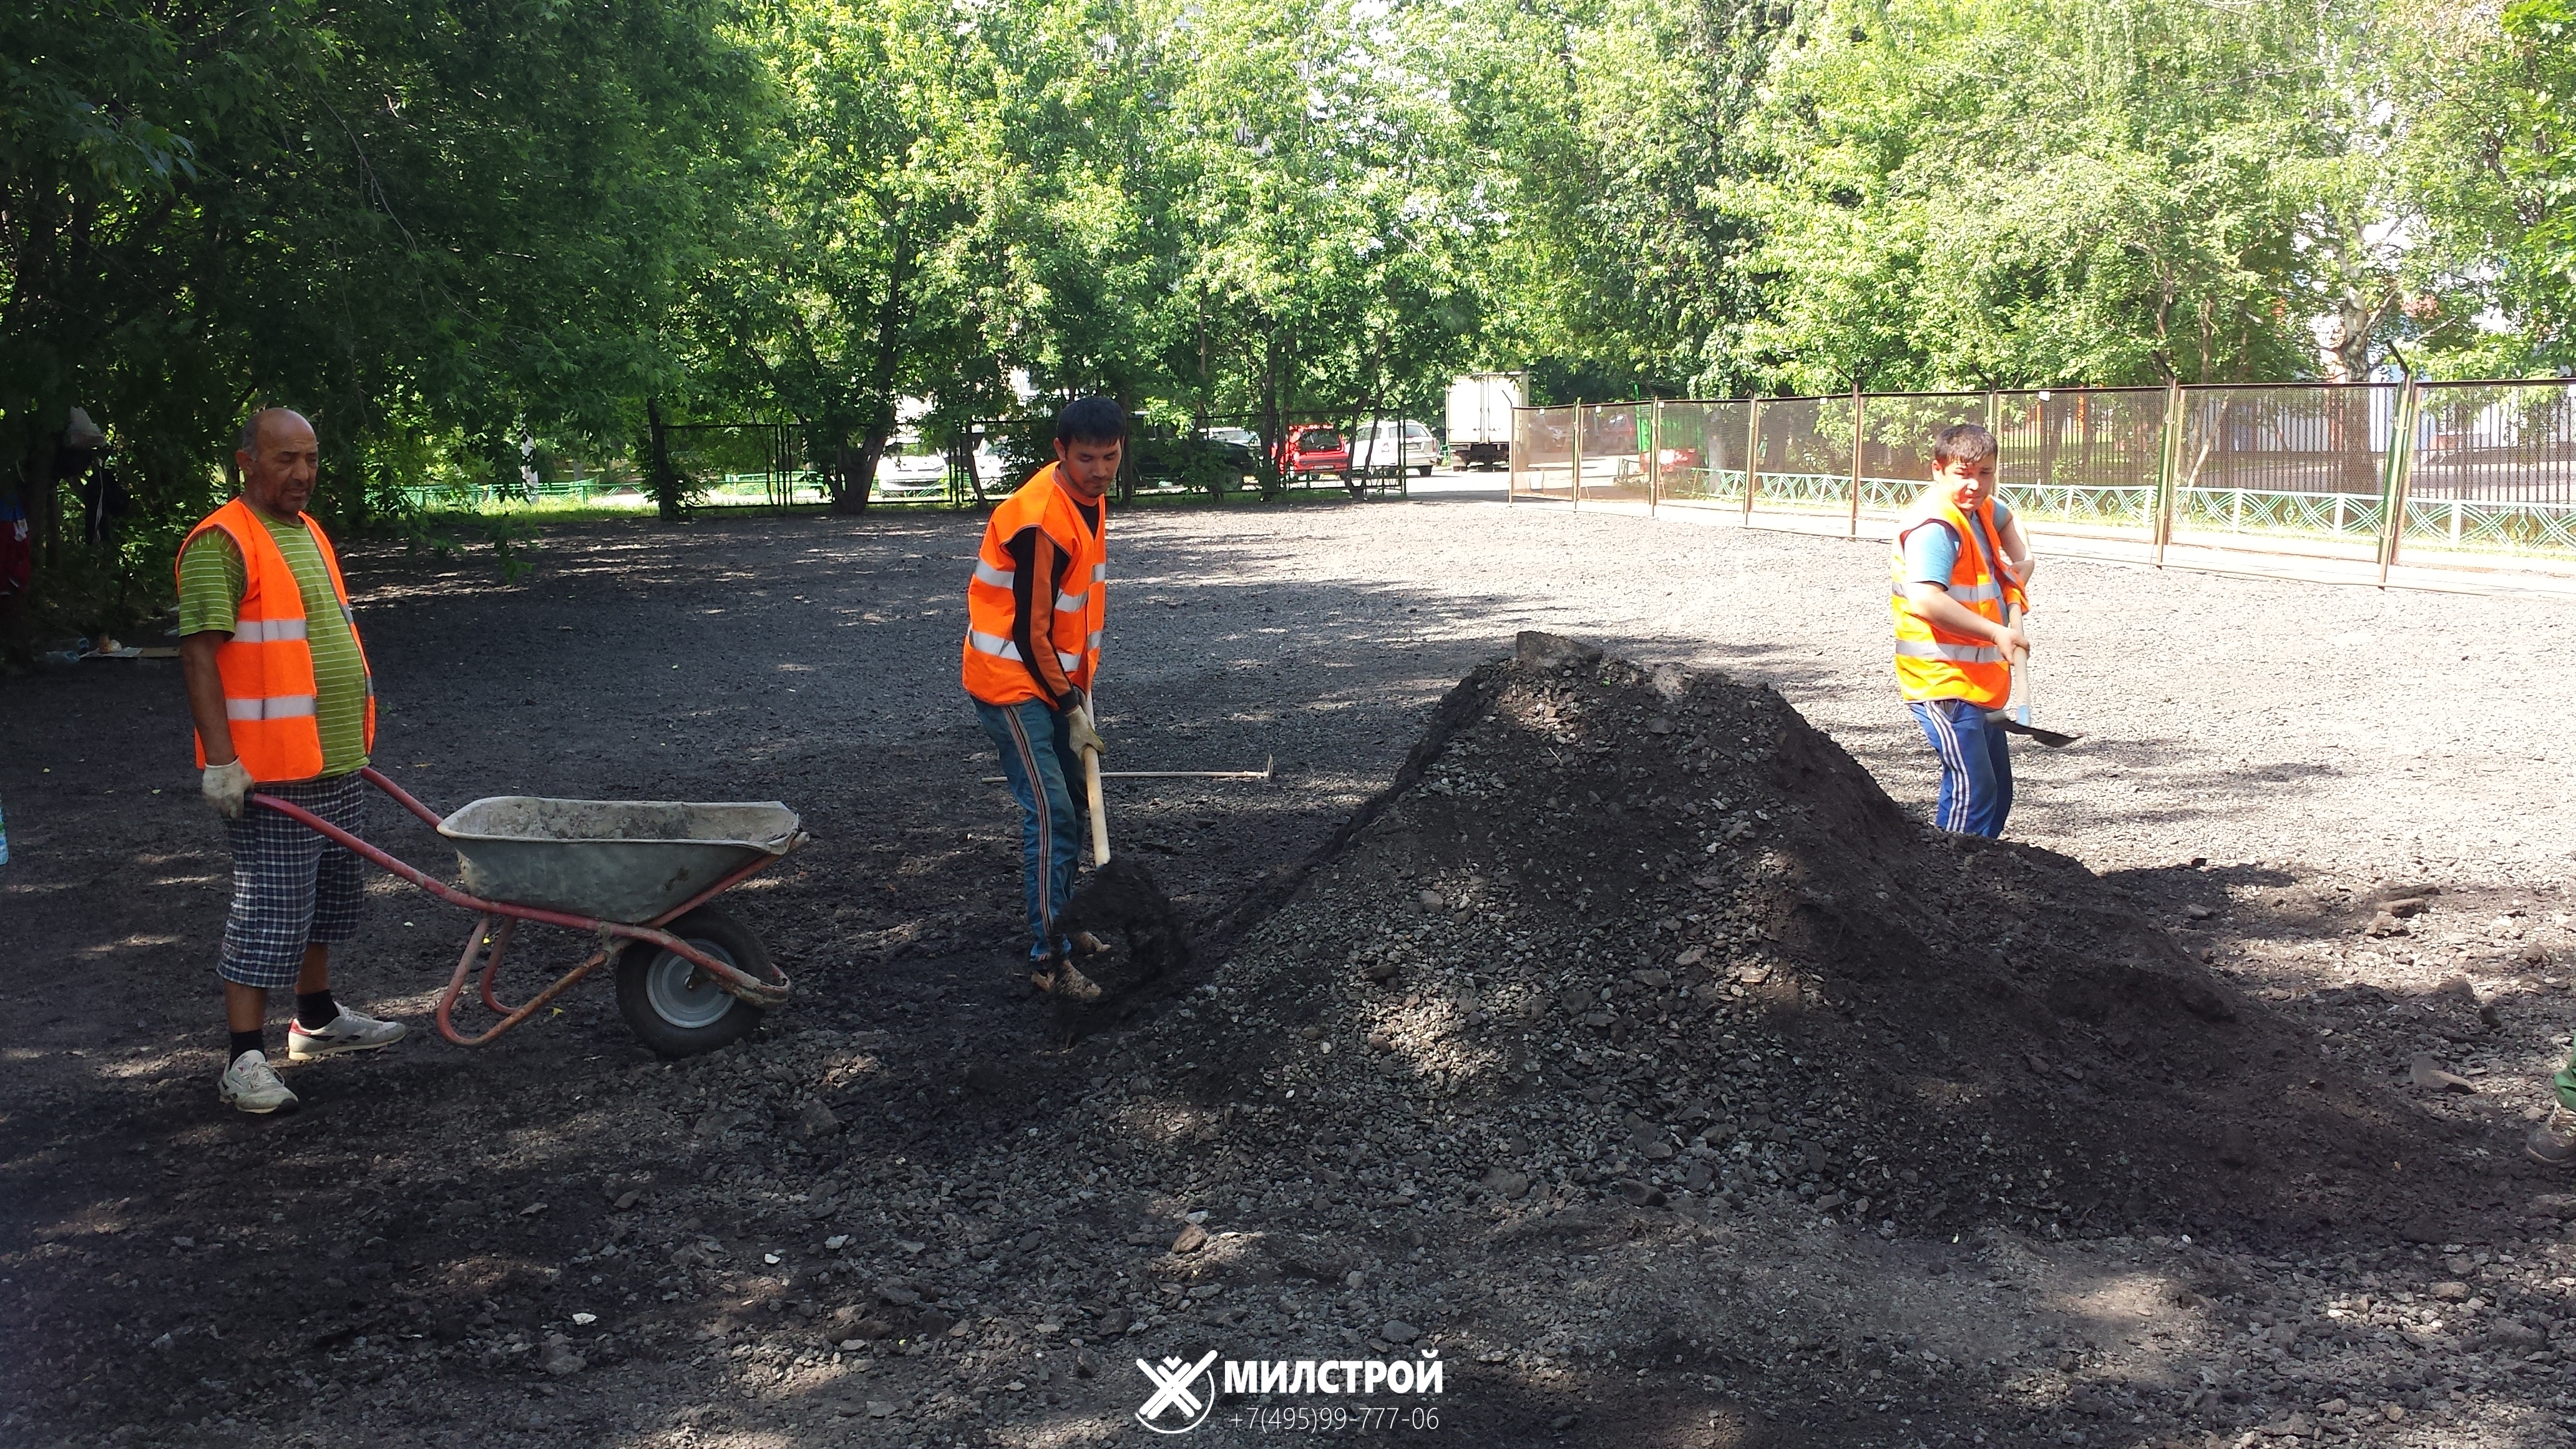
(267, 667)
(1931, 662)
(993, 671)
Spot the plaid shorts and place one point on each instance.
(291, 884)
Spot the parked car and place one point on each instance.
(1313, 448)
(1240, 437)
(1204, 463)
(1390, 446)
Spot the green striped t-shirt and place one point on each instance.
(212, 579)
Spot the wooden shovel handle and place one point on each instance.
(1099, 816)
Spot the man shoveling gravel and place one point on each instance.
(1035, 609)
(1961, 566)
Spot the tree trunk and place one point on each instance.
(2343, 355)
(863, 469)
(666, 482)
(1126, 462)
(880, 383)
(974, 477)
(2343, 341)
(1377, 417)
(845, 476)
(1274, 465)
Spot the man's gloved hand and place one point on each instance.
(1079, 729)
(226, 786)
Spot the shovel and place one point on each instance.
(2015, 720)
(1123, 897)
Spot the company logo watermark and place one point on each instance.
(1177, 1406)
(1185, 1393)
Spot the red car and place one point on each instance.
(1313, 448)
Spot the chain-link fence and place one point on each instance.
(2314, 468)
(1699, 452)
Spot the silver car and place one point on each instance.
(1391, 446)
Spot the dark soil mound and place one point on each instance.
(1652, 936)
(1125, 905)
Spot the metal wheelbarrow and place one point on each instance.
(637, 875)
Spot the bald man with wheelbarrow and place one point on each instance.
(283, 702)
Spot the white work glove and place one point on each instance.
(1078, 727)
(226, 786)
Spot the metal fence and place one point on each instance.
(2361, 471)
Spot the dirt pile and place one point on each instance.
(1631, 935)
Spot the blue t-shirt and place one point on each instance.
(1933, 550)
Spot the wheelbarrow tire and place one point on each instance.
(669, 1002)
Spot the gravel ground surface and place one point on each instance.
(560, 1240)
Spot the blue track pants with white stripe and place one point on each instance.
(1976, 766)
(1039, 761)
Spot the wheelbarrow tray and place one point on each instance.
(630, 861)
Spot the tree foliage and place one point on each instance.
(454, 230)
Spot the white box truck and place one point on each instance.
(1480, 419)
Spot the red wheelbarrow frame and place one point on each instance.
(613, 935)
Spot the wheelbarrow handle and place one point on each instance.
(401, 796)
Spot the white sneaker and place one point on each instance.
(347, 1032)
(251, 1084)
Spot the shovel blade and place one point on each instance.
(1124, 899)
(2051, 738)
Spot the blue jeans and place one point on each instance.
(1039, 761)
(1976, 766)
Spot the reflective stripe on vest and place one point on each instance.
(279, 706)
(1004, 649)
(1955, 653)
(1984, 593)
(999, 578)
(267, 631)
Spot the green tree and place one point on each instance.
(862, 275)
(425, 223)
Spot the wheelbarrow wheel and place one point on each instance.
(673, 1005)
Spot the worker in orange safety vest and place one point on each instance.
(1035, 609)
(283, 701)
(1957, 575)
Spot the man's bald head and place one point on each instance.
(278, 458)
(258, 424)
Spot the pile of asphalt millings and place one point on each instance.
(1638, 936)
